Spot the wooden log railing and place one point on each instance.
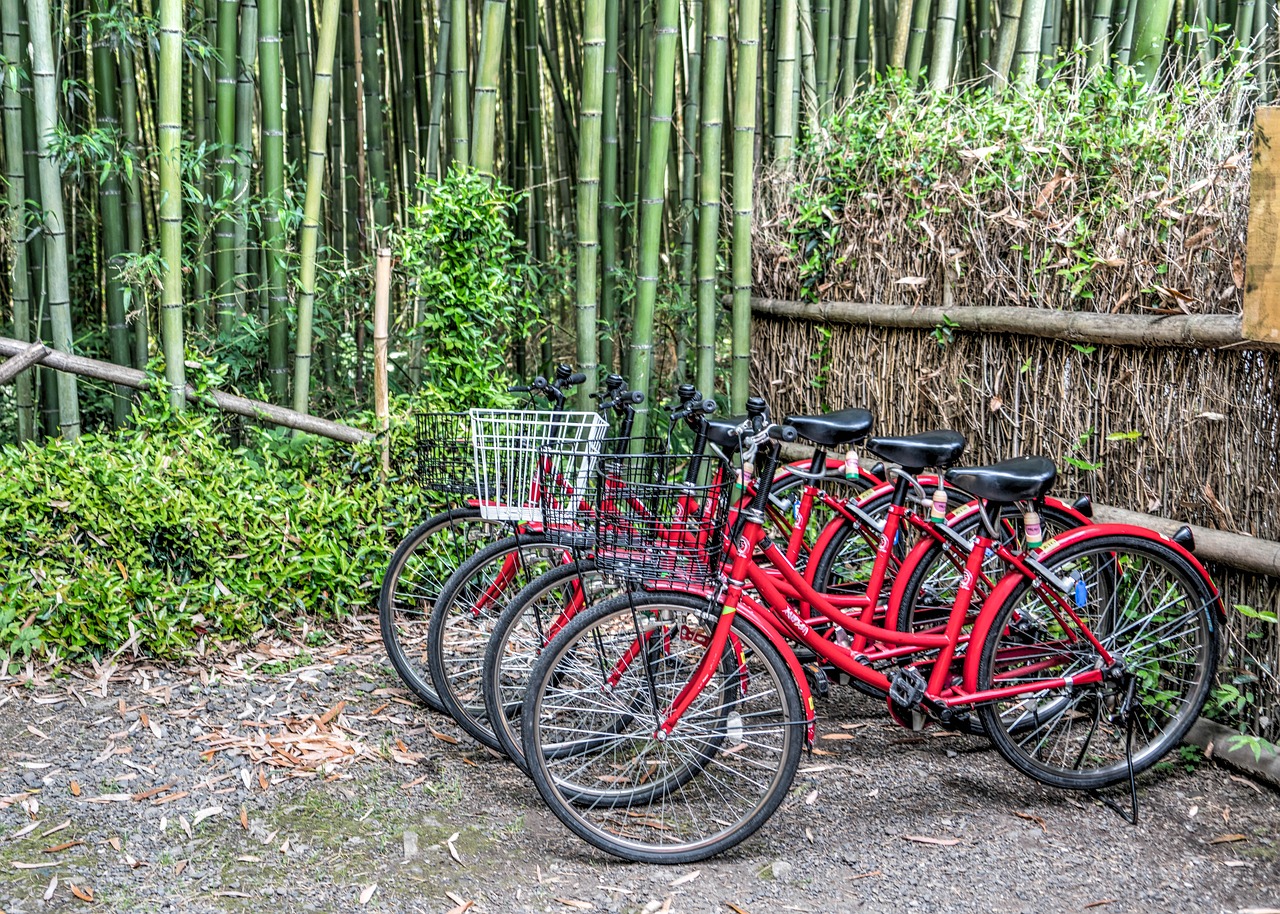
(24, 355)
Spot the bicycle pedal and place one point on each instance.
(907, 688)
(819, 684)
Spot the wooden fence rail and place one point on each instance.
(24, 355)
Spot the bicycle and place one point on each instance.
(433, 549)
(1072, 666)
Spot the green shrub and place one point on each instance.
(167, 534)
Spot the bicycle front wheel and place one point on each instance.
(431, 552)
(1152, 612)
(542, 608)
(592, 712)
(463, 617)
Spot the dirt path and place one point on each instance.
(302, 778)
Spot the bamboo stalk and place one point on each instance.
(439, 81)
(247, 61)
(273, 201)
(588, 209)
(458, 88)
(709, 220)
(310, 239)
(788, 70)
(16, 230)
(381, 393)
(371, 71)
(915, 43)
(224, 234)
(55, 224)
(651, 201)
(944, 44)
(488, 72)
(744, 127)
(1006, 40)
(133, 201)
(610, 203)
(1027, 65)
(169, 126)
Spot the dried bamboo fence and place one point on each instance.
(1187, 433)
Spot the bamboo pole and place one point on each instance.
(744, 148)
(651, 201)
(588, 208)
(273, 200)
(381, 394)
(458, 87)
(944, 43)
(488, 72)
(915, 42)
(55, 224)
(16, 228)
(229, 403)
(609, 202)
(169, 125)
(310, 237)
(709, 220)
(246, 63)
(224, 268)
(1194, 331)
(788, 70)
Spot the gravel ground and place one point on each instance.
(299, 777)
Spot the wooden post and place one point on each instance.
(381, 313)
(1262, 260)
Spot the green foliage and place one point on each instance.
(471, 270)
(167, 534)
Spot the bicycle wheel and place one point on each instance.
(463, 617)
(1151, 610)
(412, 583)
(595, 700)
(519, 634)
(784, 498)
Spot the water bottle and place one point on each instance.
(1031, 528)
(938, 509)
(851, 464)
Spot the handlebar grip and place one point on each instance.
(520, 389)
(539, 383)
(575, 379)
(636, 396)
(707, 407)
(783, 433)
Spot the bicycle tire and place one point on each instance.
(784, 495)
(518, 638)
(463, 617)
(1172, 664)
(683, 798)
(421, 563)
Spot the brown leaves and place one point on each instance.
(83, 893)
(1229, 839)
(925, 839)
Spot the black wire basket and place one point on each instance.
(656, 532)
(567, 481)
(442, 454)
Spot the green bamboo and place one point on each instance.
(43, 81)
(224, 233)
(247, 61)
(1027, 64)
(111, 210)
(588, 209)
(855, 27)
(1126, 16)
(744, 127)
(439, 81)
(537, 151)
(985, 31)
(302, 41)
(1006, 40)
(709, 219)
(16, 230)
(788, 71)
(458, 86)
(133, 200)
(1150, 25)
(375, 122)
(169, 125)
(652, 199)
(944, 44)
(1099, 34)
(200, 124)
(311, 207)
(488, 72)
(901, 35)
(915, 42)
(609, 203)
(835, 45)
(272, 142)
(350, 126)
(808, 70)
(822, 48)
(689, 146)
(288, 51)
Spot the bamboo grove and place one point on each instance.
(211, 179)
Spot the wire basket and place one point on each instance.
(442, 454)
(657, 531)
(506, 445)
(567, 512)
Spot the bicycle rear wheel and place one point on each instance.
(431, 552)
(548, 603)
(463, 617)
(596, 698)
(1152, 612)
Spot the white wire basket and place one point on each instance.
(507, 444)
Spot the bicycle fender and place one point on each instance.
(899, 589)
(753, 615)
(1146, 533)
(986, 617)
(833, 465)
(969, 509)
